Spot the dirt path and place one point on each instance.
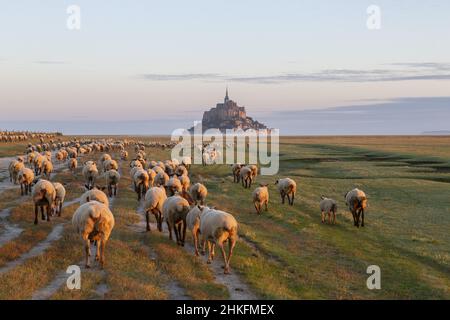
(11, 231)
(237, 289)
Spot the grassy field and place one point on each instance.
(285, 253)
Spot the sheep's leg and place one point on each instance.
(267, 205)
(97, 253)
(354, 217)
(36, 212)
(184, 233)
(362, 213)
(159, 218)
(42, 213)
(292, 199)
(87, 248)
(21, 189)
(323, 217)
(170, 230)
(334, 217)
(102, 256)
(288, 198)
(282, 197)
(60, 209)
(256, 207)
(209, 253)
(213, 247)
(358, 215)
(203, 252)
(329, 217)
(226, 269)
(231, 245)
(195, 237)
(49, 212)
(147, 218)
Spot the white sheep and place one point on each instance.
(73, 164)
(151, 177)
(193, 224)
(199, 192)
(153, 202)
(112, 181)
(261, 197)
(235, 170)
(287, 187)
(14, 167)
(174, 185)
(217, 227)
(175, 209)
(185, 183)
(246, 177)
(25, 178)
(161, 179)
(110, 165)
(90, 173)
(356, 201)
(141, 182)
(95, 194)
(44, 195)
(60, 196)
(94, 222)
(47, 168)
(328, 207)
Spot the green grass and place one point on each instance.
(286, 252)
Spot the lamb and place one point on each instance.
(95, 194)
(356, 201)
(287, 187)
(101, 162)
(153, 202)
(112, 181)
(14, 167)
(141, 182)
(90, 173)
(199, 193)
(47, 168)
(94, 222)
(261, 197)
(175, 209)
(254, 169)
(25, 178)
(73, 164)
(60, 196)
(216, 227)
(328, 207)
(193, 224)
(44, 195)
(246, 177)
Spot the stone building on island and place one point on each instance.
(228, 115)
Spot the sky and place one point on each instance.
(153, 66)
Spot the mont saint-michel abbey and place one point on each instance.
(228, 115)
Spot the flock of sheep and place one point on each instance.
(15, 136)
(163, 186)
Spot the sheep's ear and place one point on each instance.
(87, 199)
(276, 182)
(322, 197)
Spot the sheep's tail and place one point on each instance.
(334, 207)
(226, 232)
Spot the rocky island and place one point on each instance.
(228, 115)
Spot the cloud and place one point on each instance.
(181, 77)
(50, 62)
(398, 72)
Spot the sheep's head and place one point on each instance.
(276, 182)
